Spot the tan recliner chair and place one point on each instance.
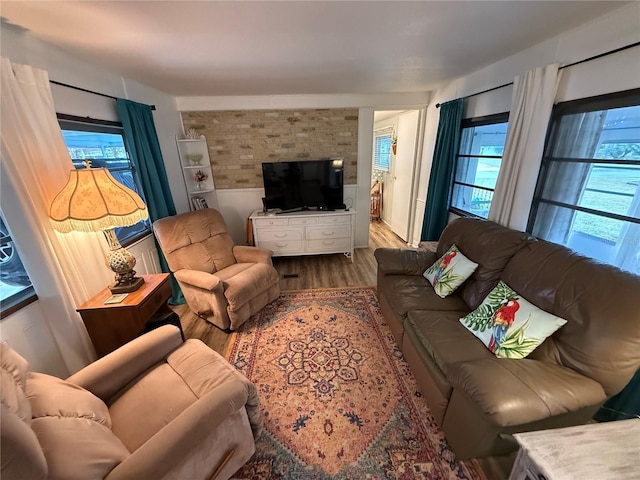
(156, 408)
(223, 283)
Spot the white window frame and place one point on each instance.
(382, 160)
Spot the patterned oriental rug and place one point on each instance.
(339, 401)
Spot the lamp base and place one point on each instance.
(134, 285)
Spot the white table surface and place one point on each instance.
(602, 451)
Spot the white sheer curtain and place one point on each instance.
(531, 104)
(578, 137)
(36, 161)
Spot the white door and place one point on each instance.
(402, 168)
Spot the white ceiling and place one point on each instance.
(201, 48)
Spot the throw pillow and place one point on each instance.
(449, 272)
(509, 325)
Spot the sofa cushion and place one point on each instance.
(248, 283)
(73, 429)
(600, 303)
(440, 336)
(413, 292)
(449, 272)
(144, 408)
(191, 371)
(488, 244)
(512, 392)
(508, 325)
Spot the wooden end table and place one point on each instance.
(111, 326)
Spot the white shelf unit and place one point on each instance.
(305, 233)
(205, 190)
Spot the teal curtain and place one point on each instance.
(624, 405)
(144, 148)
(436, 210)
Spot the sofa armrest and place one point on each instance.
(403, 261)
(196, 278)
(246, 254)
(107, 375)
(166, 449)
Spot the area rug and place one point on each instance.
(338, 399)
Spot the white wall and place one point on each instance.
(27, 330)
(617, 72)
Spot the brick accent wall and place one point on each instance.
(240, 140)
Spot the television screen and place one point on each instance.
(311, 184)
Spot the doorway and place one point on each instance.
(396, 139)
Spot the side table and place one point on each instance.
(111, 326)
(603, 451)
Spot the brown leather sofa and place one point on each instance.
(479, 399)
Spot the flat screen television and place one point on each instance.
(304, 185)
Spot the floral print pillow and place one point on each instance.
(449, 272)
(510, 326)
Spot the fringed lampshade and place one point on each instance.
(94, 201)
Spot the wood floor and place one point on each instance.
(304, 272)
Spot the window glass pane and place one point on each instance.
(484, 139)
(608, 240)
(105, 149)
(382, 154)
(599, 186)
(472, 200)
(611, 188)
(604, 134)
(482, 172)
(13, 277)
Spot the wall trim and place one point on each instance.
(266, 102)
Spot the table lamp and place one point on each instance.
(93, 201)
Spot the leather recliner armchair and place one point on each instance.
(156, 408)
(223, 283)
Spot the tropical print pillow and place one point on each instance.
(510, 326)
(449, 272)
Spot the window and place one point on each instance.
(478, 163)
(382, 149)
(16, 290)
(588, 191)
(103, 143)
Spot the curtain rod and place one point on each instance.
(600, 55)
(153, 107)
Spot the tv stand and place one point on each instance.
(307, 232)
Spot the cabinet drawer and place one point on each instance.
(303, 221)
(266, 222)
(154, 302)
(272, 235)
(284, 246)
(333, 220)
(328, 232)
(331, 245)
